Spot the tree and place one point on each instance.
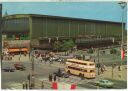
(67, 45)
(57, 45)
(90, 50)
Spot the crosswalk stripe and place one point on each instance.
(15, 85)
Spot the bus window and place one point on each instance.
(85, 70)
(77, 63)
(84, 63)
(74, 68)
(91, 64)
(91, 70)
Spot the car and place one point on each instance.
(60, 73)
(65, 75)
(19, 66)
(105, 83)
(8, 69)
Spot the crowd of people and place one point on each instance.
(48, 57)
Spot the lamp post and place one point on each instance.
(1, 56)
(31, 56)
(57, 43)
(122, 5)
(98, 63)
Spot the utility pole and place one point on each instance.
(1, 56)
(98, 63)
(32, 82)
(32, 74)
(57, 43)
(20, 47)
(112, 70)
(122, 4)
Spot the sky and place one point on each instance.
(106, 11)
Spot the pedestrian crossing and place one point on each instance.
(14, 85)
(71, 79)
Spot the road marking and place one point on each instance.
(15, 85)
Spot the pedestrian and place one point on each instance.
(51, 77)
(42, 85)
(102, 70)
(119, 69)
(23, 85)
(26, 85)
(54, 78)
(104, 67)
(59, 71)
(58, 79)
(82, 77)
(94, 60)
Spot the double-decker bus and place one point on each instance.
(81, 68)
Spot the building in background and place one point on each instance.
(85, 33)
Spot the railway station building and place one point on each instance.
(44, 30)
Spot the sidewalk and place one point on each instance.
(22, 58)
(117, 75)
(15, 85)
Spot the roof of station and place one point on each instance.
(57, 17)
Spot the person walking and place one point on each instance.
(54, 78)
(42, 85)
(49, 77)
(23, 85)
(119, 69)
(102, 70)
(26, 85)
(94, 60)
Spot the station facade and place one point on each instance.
(44, 30)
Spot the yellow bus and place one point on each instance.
(81, 68)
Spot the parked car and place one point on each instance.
(8, 69)
(105, 83)
(19, 66)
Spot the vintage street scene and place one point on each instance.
(63, 45)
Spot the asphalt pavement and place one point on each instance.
(14, 80)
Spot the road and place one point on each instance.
(42, 71)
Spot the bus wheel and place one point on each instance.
(69, 72)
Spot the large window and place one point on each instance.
(79, 69)
(92, 71)
(74, 68)
(78, 63)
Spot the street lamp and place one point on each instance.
(122, 5)
(1, 34)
